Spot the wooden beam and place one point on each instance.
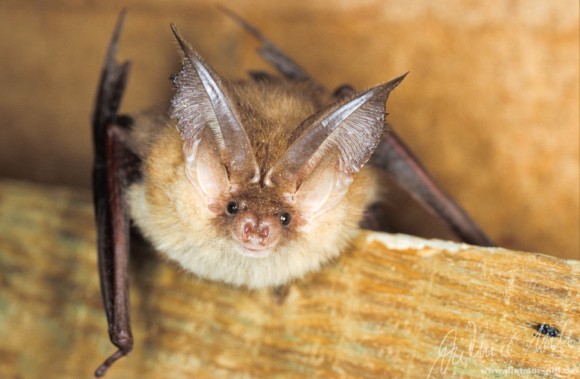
(392, 306)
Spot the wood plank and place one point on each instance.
(393, 306)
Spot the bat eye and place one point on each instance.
(232, 207)
(285, 219)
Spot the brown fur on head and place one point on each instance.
(271, 110)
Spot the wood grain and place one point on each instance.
(392, 306)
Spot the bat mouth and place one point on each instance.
(255, 247)
(254, 253)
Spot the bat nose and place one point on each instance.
(255, 232)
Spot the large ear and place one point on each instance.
(316, 170)
(201, 104)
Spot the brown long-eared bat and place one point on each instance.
(253, 182)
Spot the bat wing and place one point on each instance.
(392, 155)
(398, 161)
(110, 176)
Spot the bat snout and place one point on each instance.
(256, 234)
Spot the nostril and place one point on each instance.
(247, 231)
(264, 232)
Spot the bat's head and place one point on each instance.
(256, 219)
(263, 204)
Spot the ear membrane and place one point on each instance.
(205, 170)
(323, 188)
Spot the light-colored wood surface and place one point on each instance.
(490, 104)
(393, 306)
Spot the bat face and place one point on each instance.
(259, 182)
(257, 220)
(251, 234)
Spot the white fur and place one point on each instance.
(182, 231)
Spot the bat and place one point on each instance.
(251, 182)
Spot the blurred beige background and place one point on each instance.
(491, 104)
